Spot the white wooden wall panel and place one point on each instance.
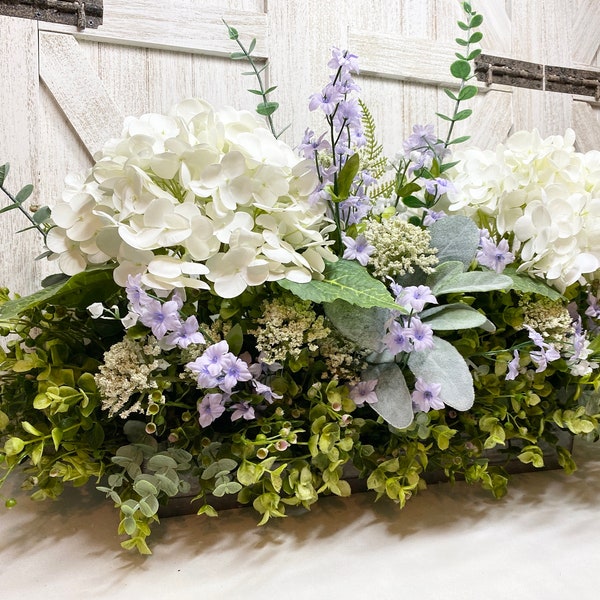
(150, 54)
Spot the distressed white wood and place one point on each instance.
(586, 127)
(408, 59)
(78, 91)
(586, 28)
(19, 147)
(496, 28)
(183, 25)
(492, 121)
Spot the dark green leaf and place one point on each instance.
(468, 92)
(476, 37)
(445, 117)
(24, 194)
(8, 207)
(474, 54)
(462, 115)
(4, 172)
(530, 285)
(476, 21)
(44, 255)
(449, 165)
(451, 94)
(346, 177)
(467, 7)
(54, 279)
(78, 291)
(459, 140)
(463, 26)
(271, 89)
(252, 46)
(237, 55)
(235, 338)
(257, 92)
(462, 42)
(413, 202)
(267, 108)
(460, 69)
(409, 188)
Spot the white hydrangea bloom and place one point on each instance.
(544, 193)
(194, 198)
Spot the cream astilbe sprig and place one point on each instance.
(399, 247)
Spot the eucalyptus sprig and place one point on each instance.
(38, 218)
(266, 107)
(462, 70)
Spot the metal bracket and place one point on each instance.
(519, 73)
(81, 13)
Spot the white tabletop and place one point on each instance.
(542, 541)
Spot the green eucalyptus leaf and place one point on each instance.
(530, 285)
(364, 326)
(267, 108)
(455, 316)
(456, 238)
(460, 68)
(476, 37)
(4, 169)
(468, 92)
(344, 280)
(476, 21)
(413, 202)
(252, 46)
(41, 215)
(394, 403)
(23, 194)
(444, 365)
(462, 115)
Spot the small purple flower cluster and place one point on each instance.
(163, 318)
(344, 117)
(423, 147)
(216, 369)
(409, 333)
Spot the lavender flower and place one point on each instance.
(211, 408)
(310, 146)
(593, 309)
(136, 295)
(235, 370)
(342, 59)
(161, 318)
(399, 338)
(364, 392)
(327, 100)
(437, 187)
(357, 249)
(243, 410)
(265, 391)
(186, 334)
(494, 257)
(414, 297)
(546, 353)
(422, 335)
(431, 216)
(426, 396)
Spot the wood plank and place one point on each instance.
(182, 25)
(586, 30)
(78, 90)
(398, 57)
(492, 121)
(19, 146)
(496, 28)
(586, 127)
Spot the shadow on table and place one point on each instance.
(91, 521)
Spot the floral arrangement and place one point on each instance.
(236, 318)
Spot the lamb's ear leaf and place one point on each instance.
(394, 403)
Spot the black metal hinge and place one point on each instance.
(519, 73)
(81, 13)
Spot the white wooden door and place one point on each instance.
(64, 92)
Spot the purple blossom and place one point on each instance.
(161, 318)
(243, 410)
(208, 367)
(364, 392)
(186, 334)
(311, 145)
(342, 59)
(327, 100)
(399, 338)
(593, 309)
(437, 187)
(494, 257)
(431, 216)
(136, 295)
(349, 113)
(265, 391)
(422, 335)
(211, 408)
(354, 209)
(357, 249)
(426, 396)
(414, 297)
(546, 352)
(235, 370)
(513, 366)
